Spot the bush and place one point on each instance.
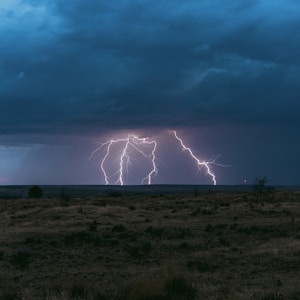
(78, 291)
(64, 199)
(169, 288)
(272, 296)
(9, 294)
(35, 192)
(93, 226)
(261, 189)
(21, 257)
(78, 237)
(179, 286)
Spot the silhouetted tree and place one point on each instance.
(35, 192)
(261, 189)
(259, 186)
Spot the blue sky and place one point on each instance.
(225, 74)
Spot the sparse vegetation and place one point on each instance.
(222, 246)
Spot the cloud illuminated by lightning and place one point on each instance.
(131, 142)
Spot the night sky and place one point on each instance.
(224, 74)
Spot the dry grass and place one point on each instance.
(214, 246)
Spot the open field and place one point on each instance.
(82, 191)
(210, 245)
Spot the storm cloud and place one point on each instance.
(78, 65)
(84, 67)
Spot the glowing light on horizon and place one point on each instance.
(4, 180)
(131, 145)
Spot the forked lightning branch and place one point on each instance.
(146, 147)
(128, 145)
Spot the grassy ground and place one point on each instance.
(212, 246)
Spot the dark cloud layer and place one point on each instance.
(78, 67)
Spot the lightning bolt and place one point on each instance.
(200, 163)
(147, 148)
(135, 143)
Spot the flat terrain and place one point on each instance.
(199, 246)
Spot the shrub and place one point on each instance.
(184, 246)
(21, 257)
(155, 232)
(179, 286)
(272, 296)
(64, 198)
(93, 226)
(169, 288)
(139, 250)
(119, 228)
(134, 251)
(81, 237)
(261, 189)
(146, 247)
(78, 291)
(202, 265)
(9, 294)
(35, 192)
(98, 295)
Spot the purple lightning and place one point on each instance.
(200, 163)
(132, 142)
(147, 148)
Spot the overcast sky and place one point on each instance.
(225, 74)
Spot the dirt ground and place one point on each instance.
(202, 246)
